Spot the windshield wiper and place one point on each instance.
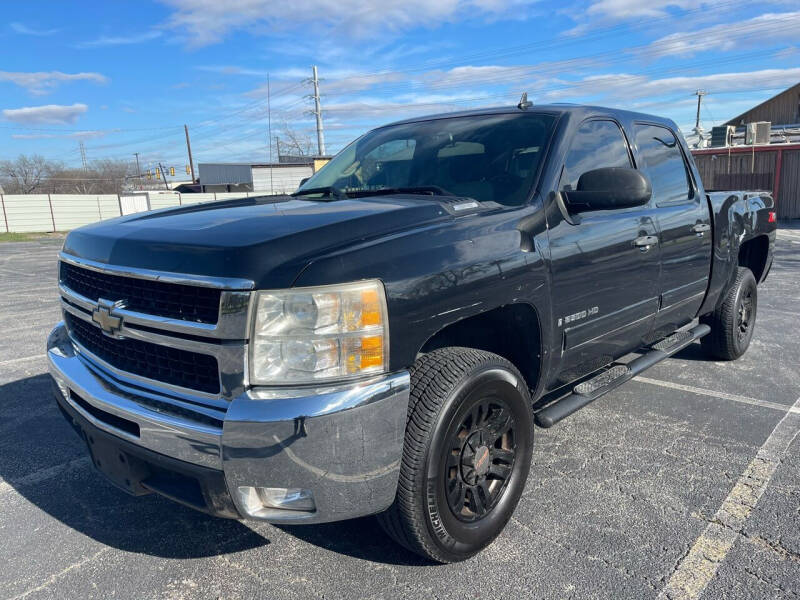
(423, 190)
(331, 191)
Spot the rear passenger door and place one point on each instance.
(684, 224)
(604, 287)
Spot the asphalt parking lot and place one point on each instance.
(684, 482)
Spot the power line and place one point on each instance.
(214, 129)
(606, 58)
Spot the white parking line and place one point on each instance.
(724, 396)
(30, 313)
(24, 328)
(13, 361)
(45, 474)
(698, 568)
(53, 578)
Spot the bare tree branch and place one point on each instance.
(25, 174)
(295, 143)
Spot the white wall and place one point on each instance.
(133, 203)
(285, 180)
(30, 212)
(62, 212)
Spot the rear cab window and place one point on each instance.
(663, 162)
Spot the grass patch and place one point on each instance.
(29, 237)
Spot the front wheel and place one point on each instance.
(733, 321)
(466, 457)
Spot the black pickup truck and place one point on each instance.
(383, 340)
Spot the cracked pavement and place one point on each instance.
(618, 496)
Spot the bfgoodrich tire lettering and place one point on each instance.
(469, 424)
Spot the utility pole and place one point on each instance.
(83, 154)
(699, 94)
(189, 148)
(697, 129)
(138, 171)
(164, 175)
(318, 113)
(269, 138)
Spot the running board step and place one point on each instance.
(672, 340)
(606, 378)
(587, 392)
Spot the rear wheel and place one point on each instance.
(733, 321)
(467, 454)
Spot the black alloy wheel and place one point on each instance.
(480, 460)
(466, 457)
(745, 316)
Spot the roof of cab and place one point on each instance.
(581, 110)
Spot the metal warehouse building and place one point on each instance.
(271, 178)
(759, 150)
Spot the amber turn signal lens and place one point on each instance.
(371, 311)
(371, 351)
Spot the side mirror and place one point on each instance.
(303, 181)
(608, 189)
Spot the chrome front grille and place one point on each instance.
(191, 370)
(171, 300)
(185, 362)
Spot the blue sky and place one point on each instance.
(124, 77)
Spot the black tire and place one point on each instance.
(733, 321)
(466, 457)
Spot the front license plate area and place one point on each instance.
(123, 470)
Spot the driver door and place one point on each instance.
(605, 288)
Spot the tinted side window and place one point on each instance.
(596, 145)
(662, 161)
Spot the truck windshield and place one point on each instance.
(485, 157)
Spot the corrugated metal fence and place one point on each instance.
(774, 167)
(62, 212)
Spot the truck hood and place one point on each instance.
(268, 240)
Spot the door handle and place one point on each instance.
(701, 228)
(644, 242)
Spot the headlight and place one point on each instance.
(305, 335)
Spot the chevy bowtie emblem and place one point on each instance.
(104, 316)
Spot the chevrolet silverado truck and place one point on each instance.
(384, 340)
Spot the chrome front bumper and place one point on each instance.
(343, 444)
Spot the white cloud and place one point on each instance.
(23, 29)
(121, 40)
(773, 27)
(627, 86)
(206, 22)
(83, 135)
(787, 52)
(400, 106)
(344, 82)
(504, 75)
(619, 10)
(51, 113)
(44, 82)
(232, 70)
